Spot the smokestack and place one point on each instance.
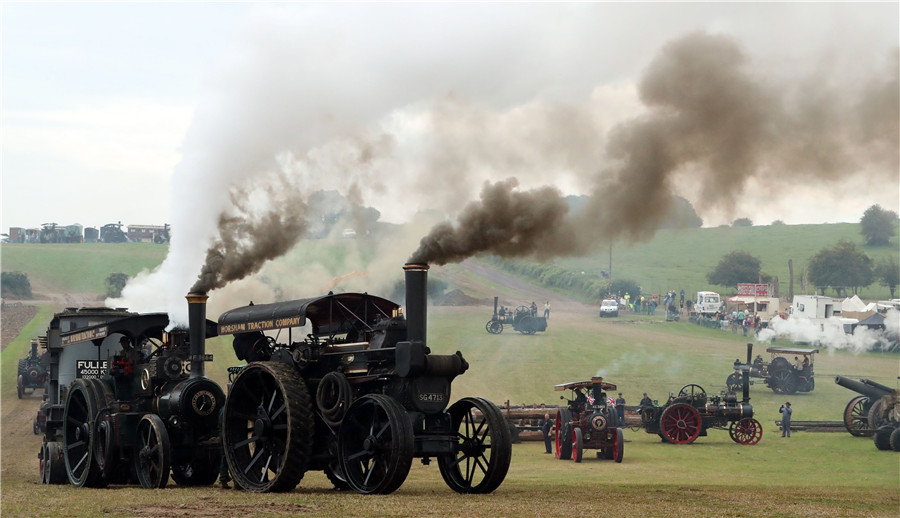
(416, 301)
(746, 373)
(197, 325)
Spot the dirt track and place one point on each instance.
(521, 291)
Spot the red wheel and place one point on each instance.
(563, 445)
(680, 424)
(577, 445)
(618, 448)
(747, 431)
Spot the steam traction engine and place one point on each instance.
(780, 374)
(588, 422)
(522, 319)
(358, 397)
(130, 416)
(31, 373)
(689, 414)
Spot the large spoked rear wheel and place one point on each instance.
(784, 382)
(375, 445)
(747, 431)
(153, 457)
(267, 431)
(483, 447)
(78, 416)
(563, 445)
(680, 424)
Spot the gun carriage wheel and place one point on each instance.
(856, 417)
(875, 417)
(483, 447)
(577, 444)
(267, 432)
(693, 391)
(375, 445)
(81, 407)
(153, 457)
(563, 445)
(747, 431)
(680, 424)
(783, 381)
(882, 437)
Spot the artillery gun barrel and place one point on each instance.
(864, 387)
(877, 385)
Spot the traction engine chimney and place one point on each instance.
(416, 301)
(197, 333)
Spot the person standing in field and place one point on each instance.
(547, 310)
(620, 409)
(786, 412)
(545, 425)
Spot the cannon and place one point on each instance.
(691, 412)
(887, 433)
(779, 374)
(863, 414)
(31, 374)
(137, 405)
(358, 397)
(523, 319)
(589, 421)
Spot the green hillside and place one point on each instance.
(681, 259)
(672, 260)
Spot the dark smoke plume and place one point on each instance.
(711, 122)
(506, 222)
(247, 240)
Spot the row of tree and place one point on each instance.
(842, 267)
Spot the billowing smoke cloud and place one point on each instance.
(710, 121)
(313, 103)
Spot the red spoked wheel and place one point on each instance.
(680, 424)
(618, 447)
(747, 431)
(577, 445)
(563, 445)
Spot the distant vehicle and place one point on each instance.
(609, 308)
(348, 233)
(707, 303)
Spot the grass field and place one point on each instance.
(811, 474)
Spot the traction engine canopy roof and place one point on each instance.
(572, 385)
(791, 350)
(331, 314)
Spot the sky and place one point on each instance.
(100, 100)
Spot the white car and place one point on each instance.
(609, 308)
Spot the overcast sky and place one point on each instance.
(122, 112)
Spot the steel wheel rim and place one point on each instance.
(77, 446)
(681, 424)
(152, 459)
(375, 445)
(747, 431)
(267, 430)
(483, 447)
